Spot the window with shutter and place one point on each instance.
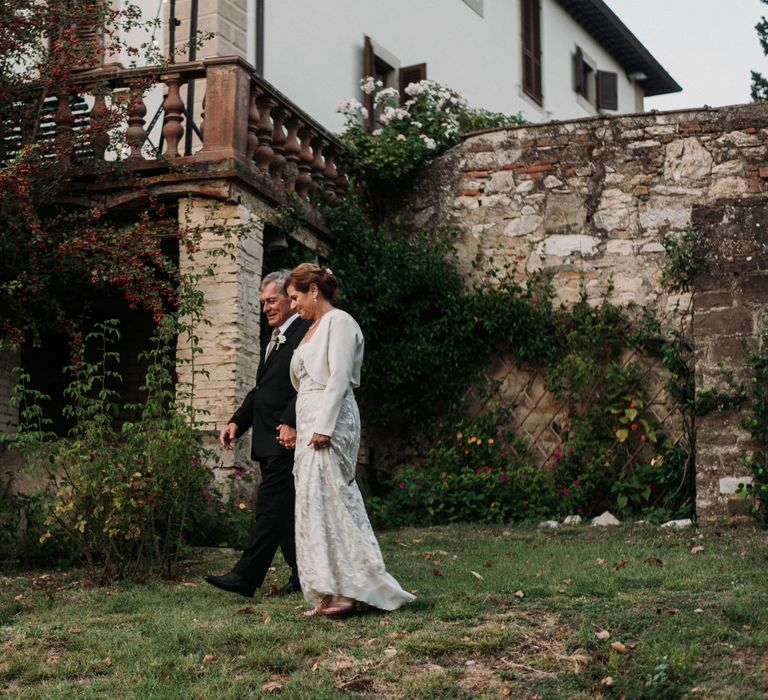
(531, 26)
(408, 75)
(607, 90)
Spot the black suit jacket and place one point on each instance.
(273, 400)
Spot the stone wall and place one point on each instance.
(588, 203)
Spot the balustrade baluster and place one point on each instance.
(99, 128)
(318, 163)
(174, 116)
(277, 168)
(304, 178)
(136, 135)
(292, 147)
(330, 173)
(266, 103)
(252, 142)
(341, 182)
(64, 122)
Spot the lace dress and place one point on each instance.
(336, 548)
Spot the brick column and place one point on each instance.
(230, 344)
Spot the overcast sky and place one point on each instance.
(707, 46)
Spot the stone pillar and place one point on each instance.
(230, 344)
(730, 297)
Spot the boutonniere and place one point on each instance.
(279, 340)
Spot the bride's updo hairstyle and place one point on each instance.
(308, 273)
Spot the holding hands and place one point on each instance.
(286, 436)
(319, 441)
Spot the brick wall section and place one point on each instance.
(226, 19)
(588, 203)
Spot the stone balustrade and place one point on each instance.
(244, 119)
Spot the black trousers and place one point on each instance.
(274, 523)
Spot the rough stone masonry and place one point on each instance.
(588, 202)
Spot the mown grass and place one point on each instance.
(691, 625)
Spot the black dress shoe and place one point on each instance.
(233, 583)
(293, 586)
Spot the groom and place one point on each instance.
(269, 410)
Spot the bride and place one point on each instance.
(339, 560)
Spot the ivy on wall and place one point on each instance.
(429, 335)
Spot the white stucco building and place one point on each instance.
(547, 59)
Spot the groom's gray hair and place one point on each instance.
(278, 276)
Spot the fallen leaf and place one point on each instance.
(273, 589)
(187, 584)
(417, 541)
(390, 651)
(426, 556)
(465, 639)
(246, 611)
(107, 662)
(697, 550)
(655, 561)
(209, 659)
(19, 597)
(401, 543)
(436, 571)
(607, 681)
(488, 563)
(567, 582)
(620, 564)
(477, 576)
(74, 630)
(267, 618)
(315, 666)
(511, 555)
(600, 562)
(271, 687)
(506, 691)
(619, 647)
(603, 635)
(519, 594)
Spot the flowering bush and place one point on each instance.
(405, 137)
(474, 475)
(52, 256)
(224, 521)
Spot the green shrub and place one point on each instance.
(125, 495)
(476, 474)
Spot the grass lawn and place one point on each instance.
(501, 612)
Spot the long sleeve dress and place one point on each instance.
(336, 548)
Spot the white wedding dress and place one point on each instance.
(336, 548)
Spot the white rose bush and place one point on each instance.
(406, 136)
